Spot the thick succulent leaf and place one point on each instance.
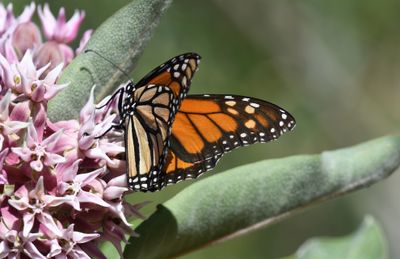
(120, 39)
(251, 196)
(367, 242)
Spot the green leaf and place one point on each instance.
(255, 195)
(120, 39)
(367, 242)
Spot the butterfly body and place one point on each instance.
(171, 136)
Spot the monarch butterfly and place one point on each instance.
(170, 137)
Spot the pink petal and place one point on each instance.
(55, 248)
(78, 253)
(73, 25)
(80, 237)
(20, 112)
(114, 192)
(88, 177)
(74, 202)
(40, 120)
(4, 250)
(57, 201)
(41, 70)
(23, 152)
(91, 198)
(37, 94)
(111, 149)
(47, 19)
(10, 53)
(14, 126)
(84, 40)
(68, 126)
(7, 73)
(60, 24)
(3, 155)
(89, 108)
(118, 209)
(28, 219)
(11, 236)
(4, 105)
(36, 165)
(26, 66)
(97, 153)
(54, 90)
(32, 251)
(27, 13)
(66, 142)
(119, 181)
(10, 219)
(32, 138)
(67, 52)
(49, 53)
(53, 159)
(51, 141)
(67, 172)
(52, 76)
(39, 192)
(48, 221)
(19, 204)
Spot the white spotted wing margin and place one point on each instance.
(147, 132)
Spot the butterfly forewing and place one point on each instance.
(148, 113)
(207, 126)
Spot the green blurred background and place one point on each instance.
(335, 65)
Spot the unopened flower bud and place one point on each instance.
(26, 36)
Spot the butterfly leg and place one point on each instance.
(115, 126)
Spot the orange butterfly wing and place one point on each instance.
(148, 111)
(208, 126)
(176, 73)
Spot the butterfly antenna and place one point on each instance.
(90, 73)
(109, 61)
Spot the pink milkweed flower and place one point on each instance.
(6, 17)
(59, 29)
(8, 24)
(62, 187)
(36, 204)
(25, 36)
(68, 243)
(95, 122)
(39, 152)
(32, 86)
(78, 187)
(14, 245)
(8, 20)
(11, 122)
(26, 80)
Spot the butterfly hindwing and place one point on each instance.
(208, 126)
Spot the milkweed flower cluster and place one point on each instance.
(61, 188)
